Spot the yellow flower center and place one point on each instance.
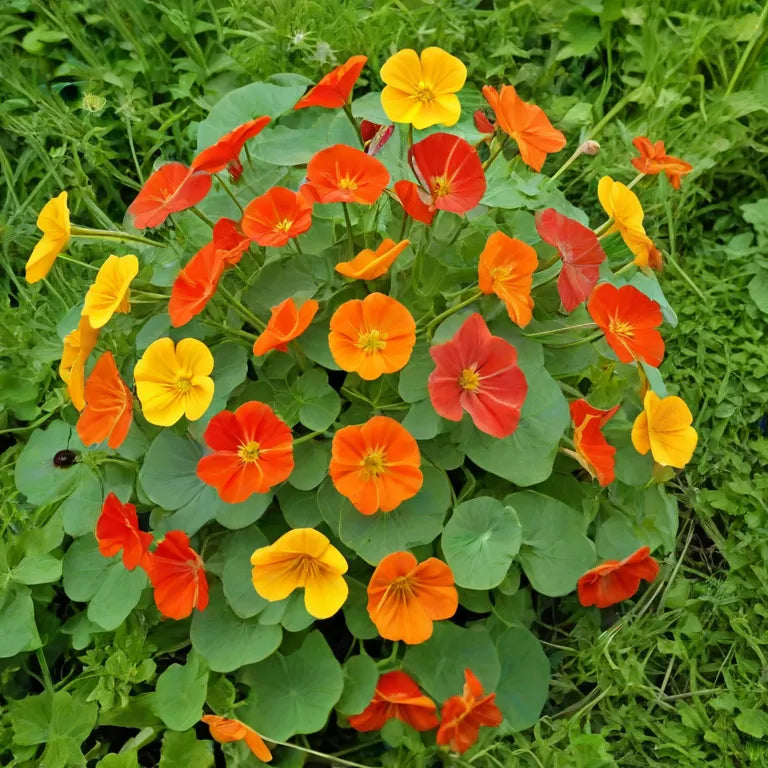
(374, 464)
(305, 567)
(371, 342)
(424, 92)
(621, 327)
(402, 588)
(441, 186)
(249, 452)
(469, 379)
(347, 183)
(183, 384)
(500, 273)
(284, 225)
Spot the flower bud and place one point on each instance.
(590, 147)
(94, 103)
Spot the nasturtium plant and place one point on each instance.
(365, 390)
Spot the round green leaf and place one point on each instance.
(244, 600)
(116, 596)
(168, 474)
(18, 631)
(81, 509)
(37, 569)
(311, 465)
(294, 693)
(412, 380)
(480, 541)
(422, 420)
(319, 403)
(83, 569)
(299, 508)
(180, 693)
(615, 538)
(360, 677)
(356, 611)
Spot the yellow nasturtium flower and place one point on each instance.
(109, 293)
(421, 90)
(664, 428)
(54, 222)
(78, 345)
(174, 381)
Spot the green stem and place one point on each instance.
(109, 234)
(585, 340)
(567, 164)
(451, 311)
(351, 118)
(602, 227)
(744, 56)
(348, 222)
(328, 758)
(231, 194)
(295, 242)
(200, 215)
(310, 436)
(635, 180)
(623, 269)
(503, 143)
(244, 312)
(64, 257)
(44, 668)
(564, 329)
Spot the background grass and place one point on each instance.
(95, 93)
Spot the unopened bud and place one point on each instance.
(590, 147)
(93, 102)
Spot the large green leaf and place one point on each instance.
(360, 677)
(82, 507)
(37, 569)
(83, 569)
(116, 596)
(236, 581)
(183, 750)
(480, 541)
(319, 403)
(311, 466)
(555, 550)
(18, 631)
(294, 693)
(180, 693)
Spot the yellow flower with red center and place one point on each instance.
(109, 293)
(54, 222)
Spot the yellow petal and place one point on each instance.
(161, 404)
(194, 358)
(42, 258)
(400, 106)
(54, 218)
(324, 594)
(109, 291)
(274, 575)
(604, 188)
(402, 70)
(158, 363)
(640, 437)
(672, 438)
(443, 110)
(199, 397)
(445, 73)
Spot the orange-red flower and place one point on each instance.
(376, 464)
(580, 252)
(408, 194)
(482, 123)
(405, 597)
(286, 324)
(375, 136)
(108, 405)
(178, 576)
(449, 171)
(118, 528)
(224, 730)
(616, 580)
(342, 174)
(397, 696)
(526, 124)
(368, 264)
(225, 153)
(277, 216)
(231, 243)
(463, 715)
(629, 320)
(478, 373)
(78, 346)
(335, 88)
(506, 268)
(592, 449)
(372, 336)
(195, 285)
(654, 159)
(252, 451)
(171, 188)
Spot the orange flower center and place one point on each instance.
(183, 384)
(424, 92)
(306, 567)
(249, 452)
(284, 225)
(441, 186)
(374, 464)
(500, 274)
(621, 327)
(371, 342)
(402, 588)
(347, 183)
(469, 379)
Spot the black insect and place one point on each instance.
(64, 458)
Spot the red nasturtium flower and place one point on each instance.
(593, 451)
(108, 408)
(405, 597)
(231, 243)
(580, 252)
(397, 696)
(654, 159)
(276, 217)
(463, 715)
(408, 194)
(335, 88)
(342, 174)
(368, 264)
(629, 320)
(178, 576)
(252, 451)
(372, 336)
(195, 285)
(526, 123)
(376, 464)
(286, 324)
(616, 580)
(482, 123)
(506, 268)
(118, 529)
(225, 153)
(225, 729)
(171, 188)
(449, 171)
(478, 373)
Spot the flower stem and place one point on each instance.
(564, 329)
(308, 437)
(349, 230)
(623, 269)
(567, 164)
(451, 311)
(231, 194)
(200, 215)
(109, 234)
(332, 759)
(585, 340)
(635, 180)
(351, 118)
(496, 153)
(64, 257)
(242, 310)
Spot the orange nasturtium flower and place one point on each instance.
(376, 464)
(171, 188)
(368, 264)
(174, 381)
(53, 220)
(110, 291)
(108, 408)
(654, 159)
(629, 320)
(462, 716)
(118, 529)
(405, 597)
(252, 451)
(287, 323)
(421, 89)
(342, 174)
(178, 576)
(398, 697)
(506, 268)
(300, 558)
(526, 123)
(593, 451)
(225, 729)
(372, 336)
(335, 88)
(225, 153)
(195, 285)
(613, 581)
(276, 217)
(646, 253)
(78, 346)
(664, 428)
